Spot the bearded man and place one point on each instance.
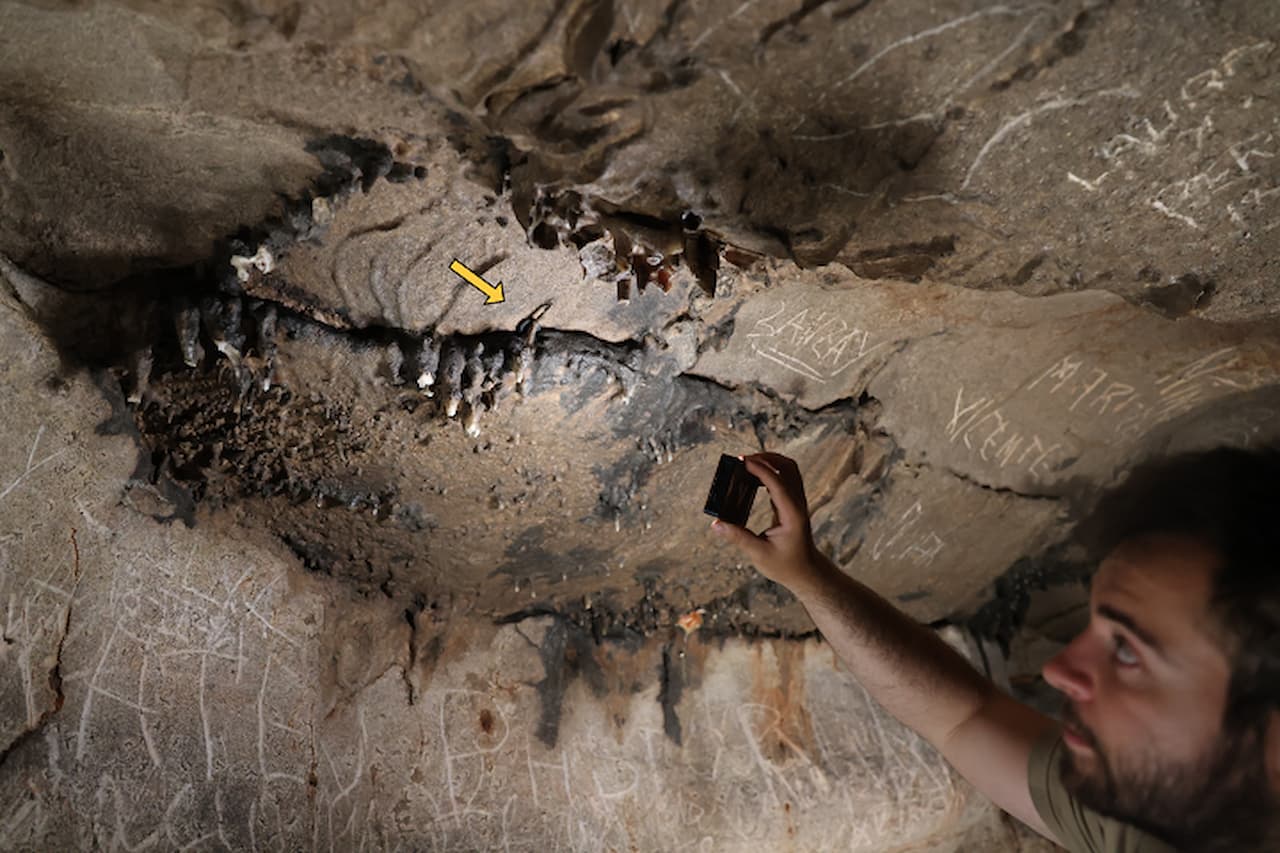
(1170, 730)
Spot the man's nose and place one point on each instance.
(1071, 670)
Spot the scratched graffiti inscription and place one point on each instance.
(1107, 400)
(909, 539)
(982, 426)
(744, 765)
(464, 769)
(817, 344)
(182, 692)
(1231, 178)
(1127, 406)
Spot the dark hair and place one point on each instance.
(1229, 500)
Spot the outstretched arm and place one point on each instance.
(928, 686)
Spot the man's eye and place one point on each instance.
(1124, 652)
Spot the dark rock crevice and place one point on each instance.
(1000, 618)
(55, 674)
(973, 481)
(1068, 41)
(902, 261)
(408, 671)
(807, 8)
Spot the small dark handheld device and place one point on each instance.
(732, 491)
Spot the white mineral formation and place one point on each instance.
(261, 259)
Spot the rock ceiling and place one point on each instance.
(954, 262)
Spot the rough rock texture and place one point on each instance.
(288, 512)
(189, 686)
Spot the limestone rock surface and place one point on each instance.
(304, 543)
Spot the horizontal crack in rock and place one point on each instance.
(987, 487)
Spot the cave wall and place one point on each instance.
(169, 686)
(306, 544)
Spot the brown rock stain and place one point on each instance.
(625, 673)
(786, 732)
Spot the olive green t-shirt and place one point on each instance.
(1079, 829)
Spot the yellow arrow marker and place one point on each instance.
(493, 293)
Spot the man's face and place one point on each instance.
(1146, 687)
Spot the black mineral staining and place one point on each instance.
(1001, 617)
(567, 653)
(530, 557)
(619, 484)
(527, 543)
(671, 680)
(347, 157)
(216, 432)
(729, 615)
(152, 471)
(120, 421)
(314, 556)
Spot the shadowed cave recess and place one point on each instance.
(965, 262)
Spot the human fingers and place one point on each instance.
(789, 472)
(777, 461)
(790, 509)
(750, 544)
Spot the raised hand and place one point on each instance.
(785, 551)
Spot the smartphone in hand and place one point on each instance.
(732, 491)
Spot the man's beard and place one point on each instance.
(1223, 801)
